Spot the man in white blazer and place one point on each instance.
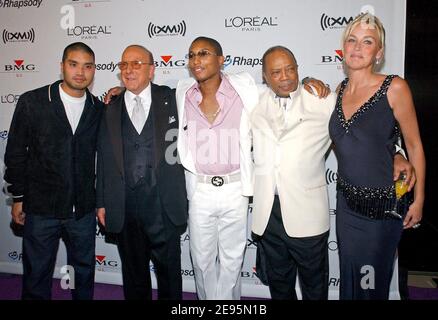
(290, 206)
(214, 146)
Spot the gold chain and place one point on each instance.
(212, 115)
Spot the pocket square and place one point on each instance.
(172, 119)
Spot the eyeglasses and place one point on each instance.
(201, 54)
(134, 64)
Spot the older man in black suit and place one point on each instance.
(140, 186)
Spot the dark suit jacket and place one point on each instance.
(48, 167)
(110, 168)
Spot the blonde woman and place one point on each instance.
(371, 111)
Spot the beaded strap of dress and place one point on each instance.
(381, 92)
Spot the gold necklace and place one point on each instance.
(212, 115)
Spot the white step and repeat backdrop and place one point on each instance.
(34, 33)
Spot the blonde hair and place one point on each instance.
(367, 21)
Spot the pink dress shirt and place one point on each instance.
(214, 147)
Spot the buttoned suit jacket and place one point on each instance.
(169, 173)
(291, 158)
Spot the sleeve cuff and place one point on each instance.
(17, 199)
(400, 151)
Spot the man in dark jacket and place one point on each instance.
(140, 186)
(50, 169)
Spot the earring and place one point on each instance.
(377, 61)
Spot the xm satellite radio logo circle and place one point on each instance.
(331, 176)
(333, 22)
(26, 36)
(167, 30)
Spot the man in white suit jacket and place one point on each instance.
(290, 208)
(214, 146)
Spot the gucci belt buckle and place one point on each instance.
(217, 181)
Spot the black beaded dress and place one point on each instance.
(367, 235)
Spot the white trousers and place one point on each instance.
(217, 226)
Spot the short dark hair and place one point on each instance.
(77, 46)
(214, 43)
(276, 48)
(148, 53)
